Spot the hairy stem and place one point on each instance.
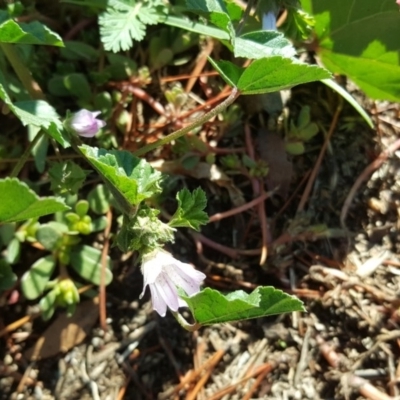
(199, 121)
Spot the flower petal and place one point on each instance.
(185, 276)
(85, 123)
(157, 301)
(168, 291)
(151, 269)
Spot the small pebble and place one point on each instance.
(97, 342)
(8, 360)
(125, 328)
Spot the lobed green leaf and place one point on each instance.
(190, 212)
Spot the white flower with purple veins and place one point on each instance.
(164, 274)
(85, 123)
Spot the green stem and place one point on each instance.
(21, 162)
(184, 324)
(22, 71)
(199, 121)
(32, 88)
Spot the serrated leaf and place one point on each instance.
(20, 203)
(34, 281)
(131, 179)
(212, 307)
(359, 38)
(269, 74)
(276, 73)
(255, 45)
(190, 212)
(27, 33)
(125, 21)
(86, 261)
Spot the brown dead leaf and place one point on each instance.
(272, 151)
(65, 332)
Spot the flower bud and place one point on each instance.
(84, 123)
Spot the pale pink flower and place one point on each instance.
(164, 274)
(85, 123)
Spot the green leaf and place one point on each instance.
(50, 235)
(66, 177)
(27, 33)
(77, 51)
(190, 212)
(20, 203)
(255, 45)
(78, 86)
(269, 74)
(7, 232)
(131, 179)
(360, 39)
(99, 224)
(99, 199)
(7, 276)
(13, 251)
(229, 72)
(86, 261)
(276, 73)
(48, 304)
(212, 307)
(215, 11)
(125, 21)
(38, 113)
(206, 6)
(34, 281)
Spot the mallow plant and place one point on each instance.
(130, 184)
